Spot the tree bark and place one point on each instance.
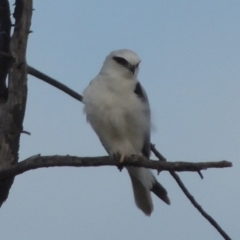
(5, 29)
(12, 112)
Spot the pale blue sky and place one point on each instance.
(190, 53)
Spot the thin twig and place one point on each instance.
(34, 72)
(191, 198)
(157, 153)
(162, 158)
(200, 174)
(26, 132)
(198, 207)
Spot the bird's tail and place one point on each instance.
(143, 181)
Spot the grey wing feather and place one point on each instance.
(161, 192)
(141, 93)
(157, 188)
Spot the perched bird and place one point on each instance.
(116, 106)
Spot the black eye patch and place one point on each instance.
(121, 61)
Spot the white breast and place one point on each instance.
(117, 115)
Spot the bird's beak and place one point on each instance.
(132, 68)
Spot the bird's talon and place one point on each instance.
(120, 167)
(122, 159)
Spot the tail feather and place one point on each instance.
(143, 181)
(142, 196)
(160, 191)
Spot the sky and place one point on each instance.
(190, 52)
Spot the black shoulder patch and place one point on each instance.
(138, 90)
(146, 149)
(141, 95)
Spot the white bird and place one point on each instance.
(117, 108)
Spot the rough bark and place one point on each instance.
(5, 29)
(13, 110)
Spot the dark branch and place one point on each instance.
(5, 29)
(162, 158)
(157, 153)
(39, 161)
(34, 72)
(198, 207)
(26, 132)
(14, 109)
(191, 198)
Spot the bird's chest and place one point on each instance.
(117, 111)
(121, 122)
(118, 117)
(120, 109)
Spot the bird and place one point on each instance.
(117, 107)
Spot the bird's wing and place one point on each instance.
(142, 95)
(156, 187)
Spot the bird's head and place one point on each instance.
(122, 62)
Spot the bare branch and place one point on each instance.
(13, 110)
(160, 165)
(5, 28)
(198, 207)
(162, 158)
(34, 72)
(39, 161)
(191, 198)
(26, 132)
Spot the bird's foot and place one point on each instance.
(122, 158)
(116, 156)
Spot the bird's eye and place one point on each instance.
(121, 61)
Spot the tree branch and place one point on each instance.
(5, 29)
(159, 166)
(191, 198)
(34, 72)
(13, 110)
(198, 207)
(39, 161)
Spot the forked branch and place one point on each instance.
(192, 199)
(154, 165)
